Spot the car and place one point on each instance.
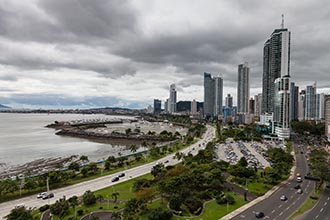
(166, 161)
(40, 195)
(298, 174)
(297, 186)
(299, 179)
(327, 185)
(46, 195)
(259, 214)
(19, 206)
(115, 179)
(283, 198)
(299, 191)
(121, 175)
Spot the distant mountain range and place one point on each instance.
(3, 106)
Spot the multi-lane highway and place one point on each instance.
(322, 209)
(273, 207)
(102, 182)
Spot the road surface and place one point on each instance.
(105, 181)
(273, 207)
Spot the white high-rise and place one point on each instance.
(243, 88)
(172, 99)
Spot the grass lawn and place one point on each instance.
(259, 188)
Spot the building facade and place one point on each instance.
(327, 116)
(157, 106)
(243, 88)
(172, 99)
(213, 95)
(257, 104)
(294, 95)
(310, 102)
(229, 101)
(276, 64)
(282, 107)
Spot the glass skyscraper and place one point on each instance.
(213, 95)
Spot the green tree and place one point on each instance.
(20, 213)
(60, 208)
(159, 214)
(158, 170)
(115, 195)
(133, 148)
(73, 202)
(83, 158)
(74, 166)
(89, 198)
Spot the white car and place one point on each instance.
(299, 179)
(40, 195)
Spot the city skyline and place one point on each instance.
(126, 54)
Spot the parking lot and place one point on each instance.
(254, 152)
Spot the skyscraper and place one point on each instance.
(301, 105)
(243, 88)
(327, 116)
(229, 101)
(213, 94)
(294, 93)
(276, 80)
(310, 102)
(276, 63)
(251, 106)
(257, 103)
(157, 106)
(172, 99)
(282, 107)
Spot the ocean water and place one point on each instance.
(24, 138)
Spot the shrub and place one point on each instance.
(44, 208)
(80, 212)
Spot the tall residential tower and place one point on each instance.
(243, 88)
(213, 95)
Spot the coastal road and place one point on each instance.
(273, 207)
(105, 181)
(321, 210)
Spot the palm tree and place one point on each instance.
(115, 195)
(133, 148)
(73, 201)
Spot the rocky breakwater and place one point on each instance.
(94, 134)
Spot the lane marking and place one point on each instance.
(321, 210)
(273, 211)
(242, 216)
(325, 203)
(281, 213)
(287, 208)
(316, 216)
(328, 198)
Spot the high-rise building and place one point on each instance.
(257, 103)
(327, 116)
(193, 107)
(320, 103)
(251, 106)
(243, 88)
(166, 108)
(276, 64)
(294, 93)
(301, 105)
(229, 101)
(310, 102)
(282, 107)
(213, 95)
(172, 99)
(157, 106)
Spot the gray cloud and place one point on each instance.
(152, 44)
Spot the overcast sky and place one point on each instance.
(92, 53)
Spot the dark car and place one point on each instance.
(115, 179)
(46, 196)
(121, 175)
(297, 186)
(328, 185)
(259, 214)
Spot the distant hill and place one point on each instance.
(3, 106)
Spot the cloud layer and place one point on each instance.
(126, 53)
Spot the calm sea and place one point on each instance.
(24, 138)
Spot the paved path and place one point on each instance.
(105, 181)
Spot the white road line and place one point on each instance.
(280, 206)
(242, 216)
(328, 198)
(325, 203)
(316, 216)
(321, 210)
(273, 211)
(287, 208)
(281, 213)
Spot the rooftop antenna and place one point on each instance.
(282, 24)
